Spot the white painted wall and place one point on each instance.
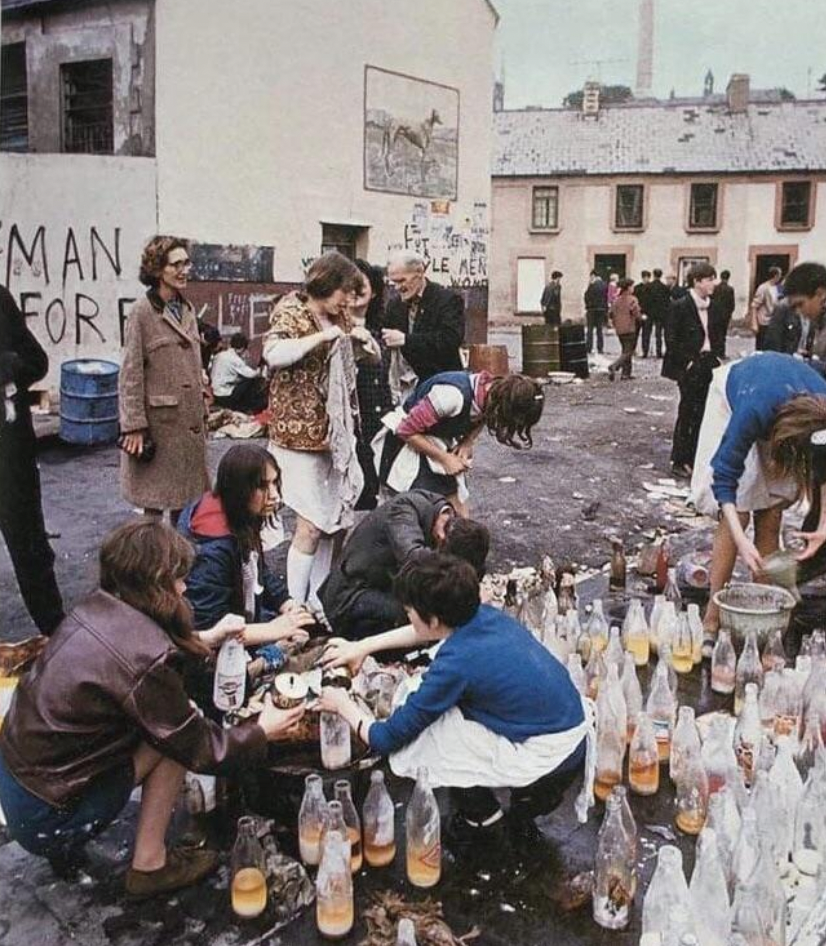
(70, 290)
(260, 118)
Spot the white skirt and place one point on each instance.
(312, 488)
(757, 489)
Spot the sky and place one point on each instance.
(549, 47)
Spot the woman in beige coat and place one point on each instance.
(161, 388)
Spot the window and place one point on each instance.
(349, 241)
(530, 283)
(628, 213)
(795, 204)
(702, 211)
(14, 103)
(88, 126)
(545, 214)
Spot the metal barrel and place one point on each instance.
(89, 401)
(540, 350)
(573, 350)
(492, 358)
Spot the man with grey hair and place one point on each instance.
(423, 327)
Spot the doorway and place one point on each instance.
(763, 262)
(607, 263)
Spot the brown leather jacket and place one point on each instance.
(105, 683)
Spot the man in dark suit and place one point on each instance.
(425, 325)
(784, 332)
(658, 299)
(551, 301)
(596, 310)
(641, 292)
(692, 341)
(22, 363)
(723, 299)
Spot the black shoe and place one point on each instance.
(464, 837)
(681, 470)
(612, 375)
(69, 864)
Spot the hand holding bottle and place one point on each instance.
(277, 723)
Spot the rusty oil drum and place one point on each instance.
(492, 358)
(540, 350)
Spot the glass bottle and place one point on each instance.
(788, 705)
(654, 622)
(333, 821)
(352, 821)
(786, 782)
(667, 625)
(748, 670)
(767, 700)
(774, 656)
(335, 741)
(749, 921)
(550, 606)
(630, 826)
(612, 732)
(406, 933)
(748, 735)
(636, 637)
(772, 895)
(566, 599)
(723, 664)
(583, 642)
(249, 880)
(614, 870)
(597, 627)
(708, 891)
(695, 622)
(230, 682)
(809, 845)
(818, 646)
(665, 657)
(595, 672)
(667, 890)
(616, 579)
(188, 827)
(662, 707)
(720, 761)
(686, 736)
(682, 645)
(691, 802)
(577, 673)
(766, 804)
(379, 819)
(334, 888)
(632, 693)
(311, 820)
(661, 567)
(614, 653)
(810, 748)
(722, 817)
(643, 759)
(671, 592)
(533, 606)
(747, 849)
(424, 839)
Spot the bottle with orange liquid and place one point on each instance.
(682, 645)
(632, 692)
(424, 838)
(723, 663)
(636, 634)
(686, 736)
(249, 882)
(333, 821)
(379, 819)
(644, 759)
(353, 822)
(334, 888)
(662, 707)
(311, 820)
(692, 794)
(612, 734)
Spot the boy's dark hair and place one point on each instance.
(556, 274)
(725, 274)
(658, 273)
(440, 586)
(701, 271)
(805, 279)
(625, 284)
(645, 273)
(775, 272)
(239, 341)
(469, 541)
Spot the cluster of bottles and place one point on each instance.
(332, 837)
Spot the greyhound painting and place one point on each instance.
(410, 135)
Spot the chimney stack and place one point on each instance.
(645, 50)
(590, 99)
(737, 92)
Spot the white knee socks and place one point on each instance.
(322, 560)
(299, 567)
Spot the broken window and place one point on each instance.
(629, 209)
(702, 214)
(88, 125)
(14, 99)
(545, 208)
(795, 204)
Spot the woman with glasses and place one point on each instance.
(162, 406)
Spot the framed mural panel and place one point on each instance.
(411, 135)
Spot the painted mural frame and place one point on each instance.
(411, 135)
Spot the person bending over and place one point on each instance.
(358, 595)
(235, 384)
(104, 709)
(495, 709)
(429, 441)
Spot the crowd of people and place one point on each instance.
(372, 424)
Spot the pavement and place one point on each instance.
(596, 446)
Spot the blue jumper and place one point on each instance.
(499, 675)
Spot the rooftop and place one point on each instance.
(680, 136)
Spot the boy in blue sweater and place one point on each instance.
(494, 710)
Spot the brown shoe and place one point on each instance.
(184, 867)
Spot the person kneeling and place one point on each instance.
(104, 709)
(494, 710)
(235, 384)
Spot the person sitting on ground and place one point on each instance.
(753, 457)
(429, 441)
(104, 709)
(235, 384)
(358, 594)
(230, 574)
(495, 708)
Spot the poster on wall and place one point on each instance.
(411, 135)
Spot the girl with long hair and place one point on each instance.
(104, 709)
(430, 439)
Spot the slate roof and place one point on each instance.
(664, 137)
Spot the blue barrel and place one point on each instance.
(89, 401)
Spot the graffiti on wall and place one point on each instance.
(216, 262)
